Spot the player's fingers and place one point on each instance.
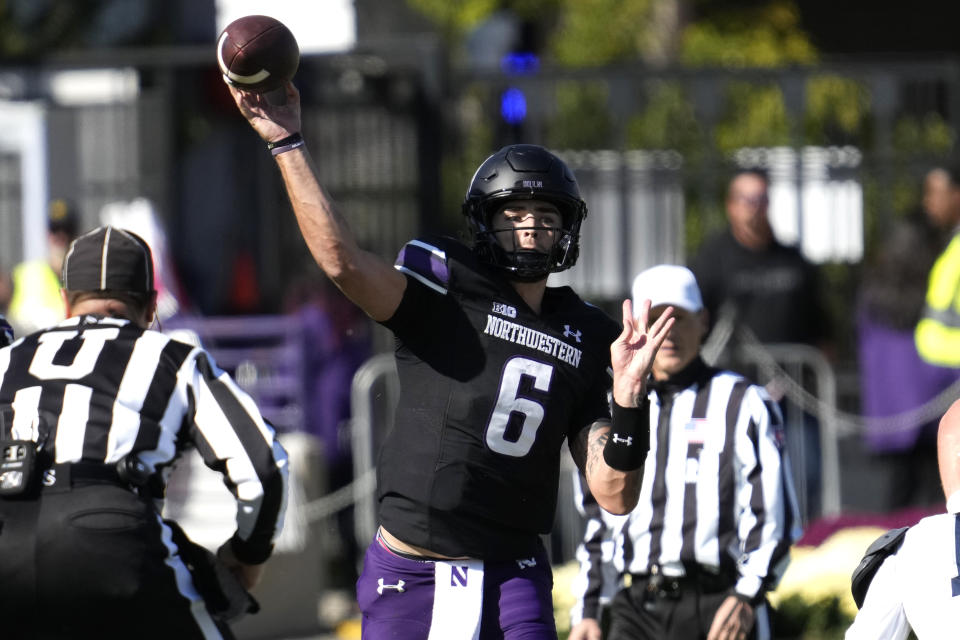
(629, 322)
(643, 316)
(292, 91)
(627, 307)
(660, 325)
(657, 338)
(243, 99)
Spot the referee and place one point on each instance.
(94, 413)
(717, 512)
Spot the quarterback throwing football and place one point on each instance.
(496, 370)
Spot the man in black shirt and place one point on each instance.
(772, 291)
(496, 371)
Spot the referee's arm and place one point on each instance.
(234, 439)
(767, 520)
(589, 585)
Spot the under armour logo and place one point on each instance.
(524, 563)
(627, 441)
(396, 587)
(571, 333)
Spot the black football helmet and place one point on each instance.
(525, 172)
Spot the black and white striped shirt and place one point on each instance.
(716, 490)
(97, 389)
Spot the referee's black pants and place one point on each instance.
(684, 613)
(89, 562)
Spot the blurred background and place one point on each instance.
(116, 110)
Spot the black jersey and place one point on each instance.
(489, 391)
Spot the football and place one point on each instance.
(257, 53)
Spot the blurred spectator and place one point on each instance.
(753, 281)
(337, 341)
(36, 302)
(893, 377)
(938, 331)
(773, 290)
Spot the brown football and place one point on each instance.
(257, 53)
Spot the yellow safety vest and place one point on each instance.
(36, 302)
(938, 332)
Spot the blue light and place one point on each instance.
(513, 106)
(520, 63)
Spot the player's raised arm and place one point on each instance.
(368, 280)
(611, 455)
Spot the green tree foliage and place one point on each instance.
(599, 32)
(837, 111)
(583, 120)
(668, 121)
(755, 117)
(455, 17)
(926, 134)
(31, 29)
(764, 36)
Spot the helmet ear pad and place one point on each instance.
(524, 172)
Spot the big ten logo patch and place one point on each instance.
(504, 310)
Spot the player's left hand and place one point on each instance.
(733, 620)
(272, 121)
(633, 352)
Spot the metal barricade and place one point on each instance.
(373, 397)
(804, 376)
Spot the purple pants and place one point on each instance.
(406, 599)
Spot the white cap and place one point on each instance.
(667, 284)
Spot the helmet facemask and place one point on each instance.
(526, 265)
(525, 172)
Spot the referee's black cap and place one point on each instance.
(109, 259)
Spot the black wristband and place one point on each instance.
(249, 553)
(629, 438)
(282, 142)
(289, 143)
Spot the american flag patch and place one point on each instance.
(696, 431)
(779, 435)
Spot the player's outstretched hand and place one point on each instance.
(633, 352)
(271, 121)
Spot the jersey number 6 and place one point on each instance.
(509, 403)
